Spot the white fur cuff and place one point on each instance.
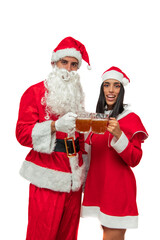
(42, 139)
(120, 144)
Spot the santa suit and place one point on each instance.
(56, 180)
(110, 190)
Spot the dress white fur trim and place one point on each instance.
(42, 139)
(120, 144)
(124, 113)
(52, 179)
(145, 135)
(110, 221)
(67, 52)
(121, 115)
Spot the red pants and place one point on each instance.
(53, 215)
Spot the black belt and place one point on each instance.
(60, 146)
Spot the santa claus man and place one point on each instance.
(47, 115)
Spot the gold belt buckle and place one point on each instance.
(74, 147)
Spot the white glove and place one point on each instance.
(66, 123)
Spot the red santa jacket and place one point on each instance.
(43, 167)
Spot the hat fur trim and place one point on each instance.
(115, 75)
(67, 52)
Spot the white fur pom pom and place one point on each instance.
(125, 81)
(89, 67)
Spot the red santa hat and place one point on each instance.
(116, 73)
(70, 47)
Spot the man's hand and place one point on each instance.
(114, 128)
(66, 123)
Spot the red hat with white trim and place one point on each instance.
(116, 73)
(70, 47)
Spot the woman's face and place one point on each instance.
(111, 88)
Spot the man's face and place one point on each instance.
(69, 63)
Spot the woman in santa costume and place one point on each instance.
(47, 114)
(110, 190)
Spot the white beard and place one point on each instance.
(64, 92)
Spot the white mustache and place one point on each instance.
(67, 76)
(64, 74)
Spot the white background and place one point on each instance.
(122, 33)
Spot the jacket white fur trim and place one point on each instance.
(78, 173)
(42, 139)
(53, 179)
(108, 220)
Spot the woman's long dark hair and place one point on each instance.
(118, 106)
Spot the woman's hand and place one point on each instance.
(114, 128)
